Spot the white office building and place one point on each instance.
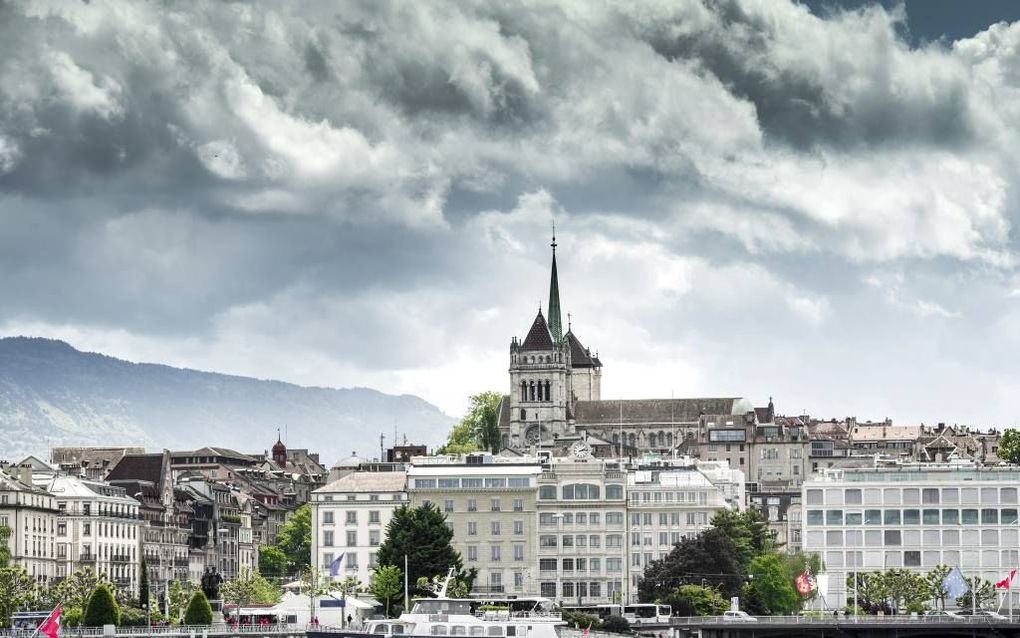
(349, 518)
(912, 516)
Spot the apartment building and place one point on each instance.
(670, 500)
(582, 527)
(349, 519)
(912, 516)
(30, 515)
(490, 505)
(98, 527)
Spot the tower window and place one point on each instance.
(532, 390)
(548, 395)
(524, 415)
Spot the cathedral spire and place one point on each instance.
(555, 324)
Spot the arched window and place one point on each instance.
(524, 391)
(547, 493)
(632, 439)
(548, 359)
(669, 439)
(662, 438)
(548, 395)
(614, 492)
(524, 415)
(651, 440)
(616, 439)
(531, 389)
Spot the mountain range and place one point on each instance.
(52, 394)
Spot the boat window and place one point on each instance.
(458, 630)
(477, 630)
(438, 630)
(379, 628)
(511, 630)
(495, 631)
(398, 629)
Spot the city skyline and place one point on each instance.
(750, 200)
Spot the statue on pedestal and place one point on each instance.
(211, 583)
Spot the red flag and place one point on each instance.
(805, 583)
(51, 626)
(1004, 583)
(586, 630)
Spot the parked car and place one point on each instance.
(941, 613)
(738, 616)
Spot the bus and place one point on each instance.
(647, 613)
(29, 620)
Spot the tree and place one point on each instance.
(770, 591)
(295, 539)
(102, 609)
(709, 558)
(249, 587)
(934, 580)
(272, 561)
(5, 545)
(907, 590)
(981, 593)
(199, 610)
(695, 600)
(76, 590)
(1009, 446)
(749, 532)
(16, 588)
(478, 429)
(422, 536)
(616, 625)
(179, 596)
(872, 594)
(387, 584)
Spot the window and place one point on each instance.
(518, 584)
(472, 505)
(930, 496)
(1009, 517)
(352, 538)
(814, 517)
(352, 559)
(594, 541)
(568, 518)
(547, 564)
(614, 492)
(494, 504)
(852, 497)
(614, 565)
(970, 517)
(911, 559)
(327, 518)
(891, 517)
(581, 518)
(546, 518)
(472, 528)
(930, 517)
(548, 590)
(568, 541)
(950, 517)
(518, 552)
(495, 482)
(911, 517)
(468, 483)
(892, 537)
(614, 518)
(352, 517)
(854, 518)
(834, 517)
(614, 540)
(547, 493)
(568, 590)
(990, 517)
(373, 537)
(580, 491)
(568, 564)
(449, 483)
(518, 505)
(721, 436)
(472, 553)
(425, 484)
(448, 505)
(495, 528)
(547, 540)
(495, 553)
(814, 497)
(518, 528)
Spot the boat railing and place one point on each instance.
(513, 615)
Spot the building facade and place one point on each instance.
(914, 517)
(489, 503)
(349, 519)
(28, 516)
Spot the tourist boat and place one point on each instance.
(467, 617)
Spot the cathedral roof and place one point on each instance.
(580, 357)
(538, 337)
(655, 410)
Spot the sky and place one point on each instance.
(813, 202)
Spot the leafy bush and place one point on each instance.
(102, 609)
(581, 620)
(132, 617)
(70, 617)
(616, 625)
(199, 610)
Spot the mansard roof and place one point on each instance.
(139, 467)
(580, 357)
(656, 411)
(538, 337)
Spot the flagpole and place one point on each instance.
(406, 600)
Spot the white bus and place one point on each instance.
(647, 614)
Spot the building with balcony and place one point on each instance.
(28, 516)
(98, 526)
(912, 516)
(349, 519)
(489, 502)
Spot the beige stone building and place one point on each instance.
(30, 513)
(490, 503)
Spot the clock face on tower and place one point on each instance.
(581, 450)
(532, 434)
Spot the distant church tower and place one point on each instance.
(540, 376)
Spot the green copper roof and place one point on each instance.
(555, 324)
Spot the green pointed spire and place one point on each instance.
(555, 324)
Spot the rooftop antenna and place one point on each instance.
(382, 442)
(672, 424)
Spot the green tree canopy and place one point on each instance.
(749, 532)
(5, 545)
(272, 561)
(143, 586)
(387, 585)
(180, 595)
(199, 610)
(1009, 446)
(102, 608)
(695, 600)
(478, 429)
(295, 539)
(250, 587)
(711, 556)
(770, 590)
(421, 534)
(934, 580)
(981, 594)
(16, 589)
(76, 590)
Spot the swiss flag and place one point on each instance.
(51, 626)
(1004, 583)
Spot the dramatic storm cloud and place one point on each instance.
(751, 198)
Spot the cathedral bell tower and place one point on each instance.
(540, 394)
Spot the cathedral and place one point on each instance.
(555, 401)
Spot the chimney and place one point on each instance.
(25, 474)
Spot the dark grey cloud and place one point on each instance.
(362, 195)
